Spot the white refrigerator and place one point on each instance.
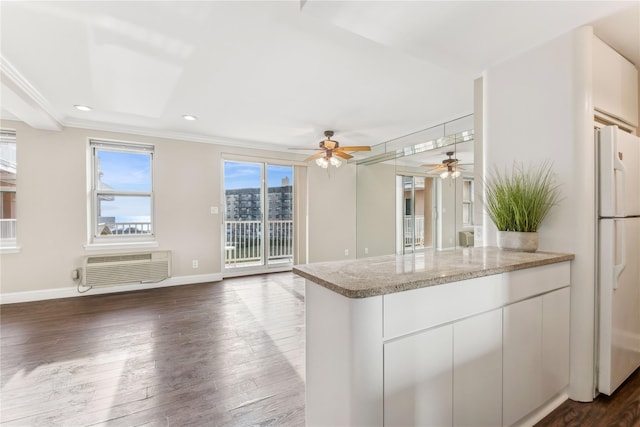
(618, 257)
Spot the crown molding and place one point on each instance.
(167, 134)
(30, 105)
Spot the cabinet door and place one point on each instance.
(615, 83)
(555, 342)
(477, 370)
(522, 353)
(418, 379)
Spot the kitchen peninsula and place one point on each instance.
(474, 336)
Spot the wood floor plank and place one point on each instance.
(186, 355)
(620, 410)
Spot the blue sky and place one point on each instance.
(125, 171)
(247, 175)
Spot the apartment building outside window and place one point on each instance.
(122, 191)
(8, 170)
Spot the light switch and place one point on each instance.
(214, 210)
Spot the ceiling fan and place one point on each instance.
(329, 151)
(451, 167)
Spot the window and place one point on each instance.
(467, 201)
(122, 191)
(8, 168)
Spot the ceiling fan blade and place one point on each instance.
(315, 156)
(341, 154)
(434, 166)
(356, 148)
(308, 149)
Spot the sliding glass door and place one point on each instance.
(416, 207)
(258, 222)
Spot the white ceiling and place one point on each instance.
(273, 74)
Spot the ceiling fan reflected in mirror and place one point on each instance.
(330, 151)
(450, 167)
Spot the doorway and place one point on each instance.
(258, 229)
(417, 213)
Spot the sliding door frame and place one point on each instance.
(300, 216)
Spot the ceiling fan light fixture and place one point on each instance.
(444, 175)
(455, 174)
(322, 162)
(335, 162)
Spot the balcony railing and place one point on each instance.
(124, 228)
(8, 228)
(414, 237)
(244, 241)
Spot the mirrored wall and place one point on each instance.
(416, 193)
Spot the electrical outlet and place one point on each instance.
(366, 251)
(346, 252)
(194, 263)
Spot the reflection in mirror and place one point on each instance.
(432, 176)
(415, 212)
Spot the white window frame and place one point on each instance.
(97, 241)
(9, 245)
(468, 203)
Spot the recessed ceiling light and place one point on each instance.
(189, 117)
(82, 107)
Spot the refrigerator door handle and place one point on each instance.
(619, 268)
(618, 165)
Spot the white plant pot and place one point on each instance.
(518, 241)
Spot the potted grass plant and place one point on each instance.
(517, 202)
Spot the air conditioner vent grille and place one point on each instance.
(120, 269)
(119, 258)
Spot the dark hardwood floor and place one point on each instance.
(218, 354)
(620, 410)
(228, 353)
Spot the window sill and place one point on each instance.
(10, 250)
(120, 245)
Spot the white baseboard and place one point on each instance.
(68, 292)
(537, 415)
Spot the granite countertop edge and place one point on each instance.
(419, 282)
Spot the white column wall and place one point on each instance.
(538, 107)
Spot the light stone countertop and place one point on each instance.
(387, 274)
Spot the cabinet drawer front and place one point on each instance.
(530, 282)
(418, 309)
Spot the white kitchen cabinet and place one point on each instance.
(555, 341)
(536, 353)
(485, 351)
(477, 370)
(615, 84)
(522, 352)
(418, 379)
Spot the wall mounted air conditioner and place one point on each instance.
(122, 269)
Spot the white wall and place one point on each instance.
(52, 208)
(538, 107)
(376, 209)
(332, 213)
